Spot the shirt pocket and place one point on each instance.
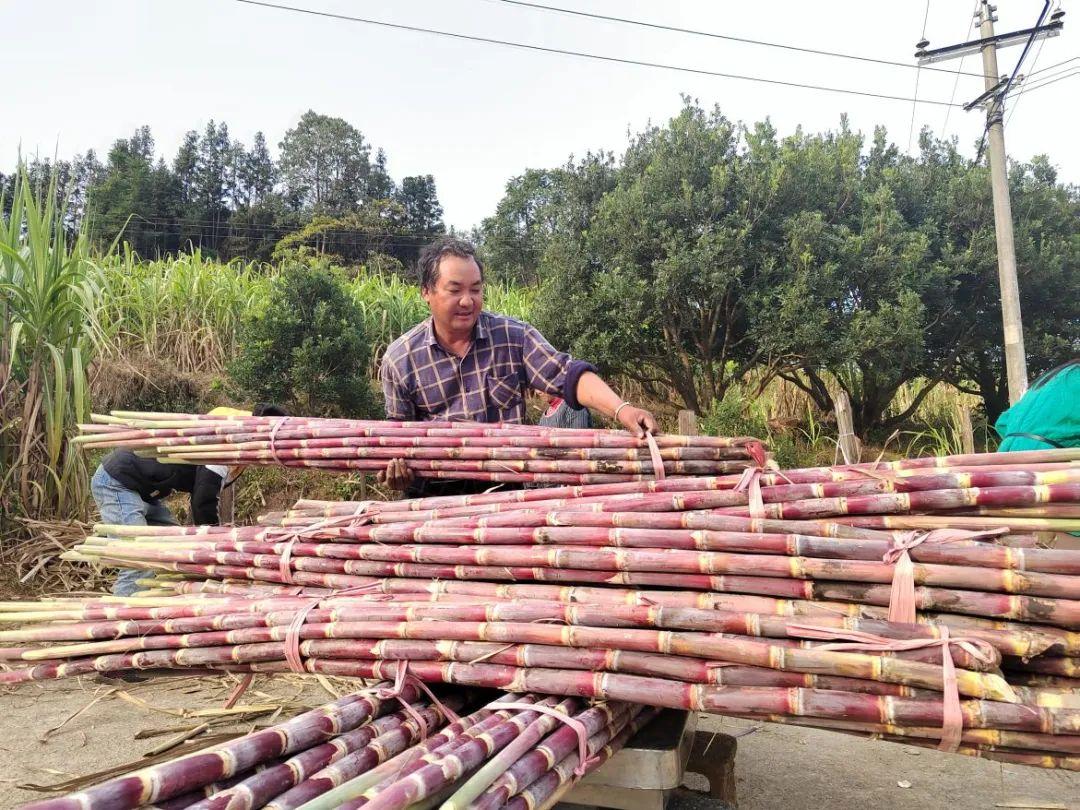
(504, 392)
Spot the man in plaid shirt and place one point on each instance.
(464, 363)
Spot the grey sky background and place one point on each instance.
(81, 74)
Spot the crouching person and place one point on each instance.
(128, 490)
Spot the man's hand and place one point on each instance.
(638, 420)
(397, 475)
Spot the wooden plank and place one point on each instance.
(849, 443)
(967, 435)
(688, 423)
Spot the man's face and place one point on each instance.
(457, 296)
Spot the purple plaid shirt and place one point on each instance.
(421, 380)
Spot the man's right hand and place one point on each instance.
(397, 475)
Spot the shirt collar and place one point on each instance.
(480, 331)
(429, 332)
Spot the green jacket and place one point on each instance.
(1050, 410)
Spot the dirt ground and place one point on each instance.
(58, 731)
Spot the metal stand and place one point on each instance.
(648, 771)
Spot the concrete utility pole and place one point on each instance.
(1015, 357)
(993, 98)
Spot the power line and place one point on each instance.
(346, 238)
(1051, 67)
(956, 81)
(225, 224)
(998, 100)
(581, 54)
(162, 226)
(1049, 82)
(1041, 79)
(728, 37)
(918, 73)
(1023, 87)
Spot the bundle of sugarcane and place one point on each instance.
(356, 732)
(645, 539)
(260, 630)
(461, 450)
(716, 560)
(933, 685)
(352, 753)
(1034, 494)
(710, 541)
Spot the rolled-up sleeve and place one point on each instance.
(398, 404)
(549, 370)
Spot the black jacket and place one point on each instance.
(152, 480)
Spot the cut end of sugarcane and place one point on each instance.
(997, 688)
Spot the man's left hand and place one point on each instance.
(638, 420)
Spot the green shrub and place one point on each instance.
(307, 348)
(738, 415)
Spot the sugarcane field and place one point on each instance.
(494, 405)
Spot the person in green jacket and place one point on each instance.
(1047, 416)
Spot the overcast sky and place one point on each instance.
(80, 74)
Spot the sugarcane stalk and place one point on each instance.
(724, 700)
(994, 738)
(1019, 641)
(258, 789)
(964, 554)
(417, 757)
(1059, 612)
(546, 791)
(610, 558)
(481, 780)
(374, 761)
(436, 776)
(603, 719)
(182, 775)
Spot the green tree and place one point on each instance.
(423, 213)
(325, 164)
(422, 217)
(656, 284)
(214, 182)
(380, 185)
(307, 348)
(255, 230)
(515, 237)
(375, 227)
(256, 174)
(137, 197)
(1045, 216)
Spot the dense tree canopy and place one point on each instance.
(709, 250)
(231, 200)
(713, 248)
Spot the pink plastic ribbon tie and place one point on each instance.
(273, 435)
(952, 726)
(750, 483)
(357, 518)
(293, 656)
(654, 454)
(402, 678)
(292, 637)
(576, 725)
(757, 453)
(902, 605)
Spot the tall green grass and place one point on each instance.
(185, 309)
(50, 330)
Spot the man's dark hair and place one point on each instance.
(434, 253)
(268, 409)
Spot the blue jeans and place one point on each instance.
(118, 505)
